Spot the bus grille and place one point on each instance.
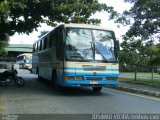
(93, 68)
(94, 78)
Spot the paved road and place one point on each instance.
(38, 97)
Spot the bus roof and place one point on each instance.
(27, 54)
(73, 25)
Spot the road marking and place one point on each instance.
(134, 94)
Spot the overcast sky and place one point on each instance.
(119, 5)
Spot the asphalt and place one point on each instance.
(151, 89)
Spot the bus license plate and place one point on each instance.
(93, 82)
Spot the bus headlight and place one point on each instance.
(71, 78)
(78, 78)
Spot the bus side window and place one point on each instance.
(36, 47)
(47, 42)
(57, 44)
(52, 40)
(44, 43)
(41, 45)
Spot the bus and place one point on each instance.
(77, 55)
(24, 61)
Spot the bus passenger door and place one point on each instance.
(60, 55)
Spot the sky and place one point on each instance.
(119, 5)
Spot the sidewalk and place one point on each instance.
(140, 88)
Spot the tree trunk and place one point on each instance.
(152, 72)
(135, 75)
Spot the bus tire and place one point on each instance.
(37, 72)
(97, 89)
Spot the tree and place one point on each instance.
(43, 33)
(144, 18)
(137, 53)
(133, 53)
(152, 52)
(3, 45)
(24, 16)
(144, 21)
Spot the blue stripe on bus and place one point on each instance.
(86, 74)
(86, 82)
(72, 68)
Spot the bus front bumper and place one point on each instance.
(89, 83)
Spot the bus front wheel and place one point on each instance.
(97, 89)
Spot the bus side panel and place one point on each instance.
(44, 69)
(35, 60)
(60, 73)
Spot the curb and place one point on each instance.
(135, 90)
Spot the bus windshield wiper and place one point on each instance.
(100, 49)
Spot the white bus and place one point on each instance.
(24, 61)
(77, 55)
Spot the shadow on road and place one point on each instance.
(34, 86)
(44, 87)
(70, 91)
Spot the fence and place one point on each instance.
(130, 68)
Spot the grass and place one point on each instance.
(141, 77)
(141, 80)
(141, 73)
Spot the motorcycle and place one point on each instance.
(11, 75)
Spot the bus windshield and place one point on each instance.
(90, 45)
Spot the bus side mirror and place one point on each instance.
(24, 61)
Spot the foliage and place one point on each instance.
(153, 54)
(136, 53)
(24, 16)
(139, 48)
(144, 18)
(3, 45)
(133, 52)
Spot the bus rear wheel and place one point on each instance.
(39, 77)
(97, 89)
